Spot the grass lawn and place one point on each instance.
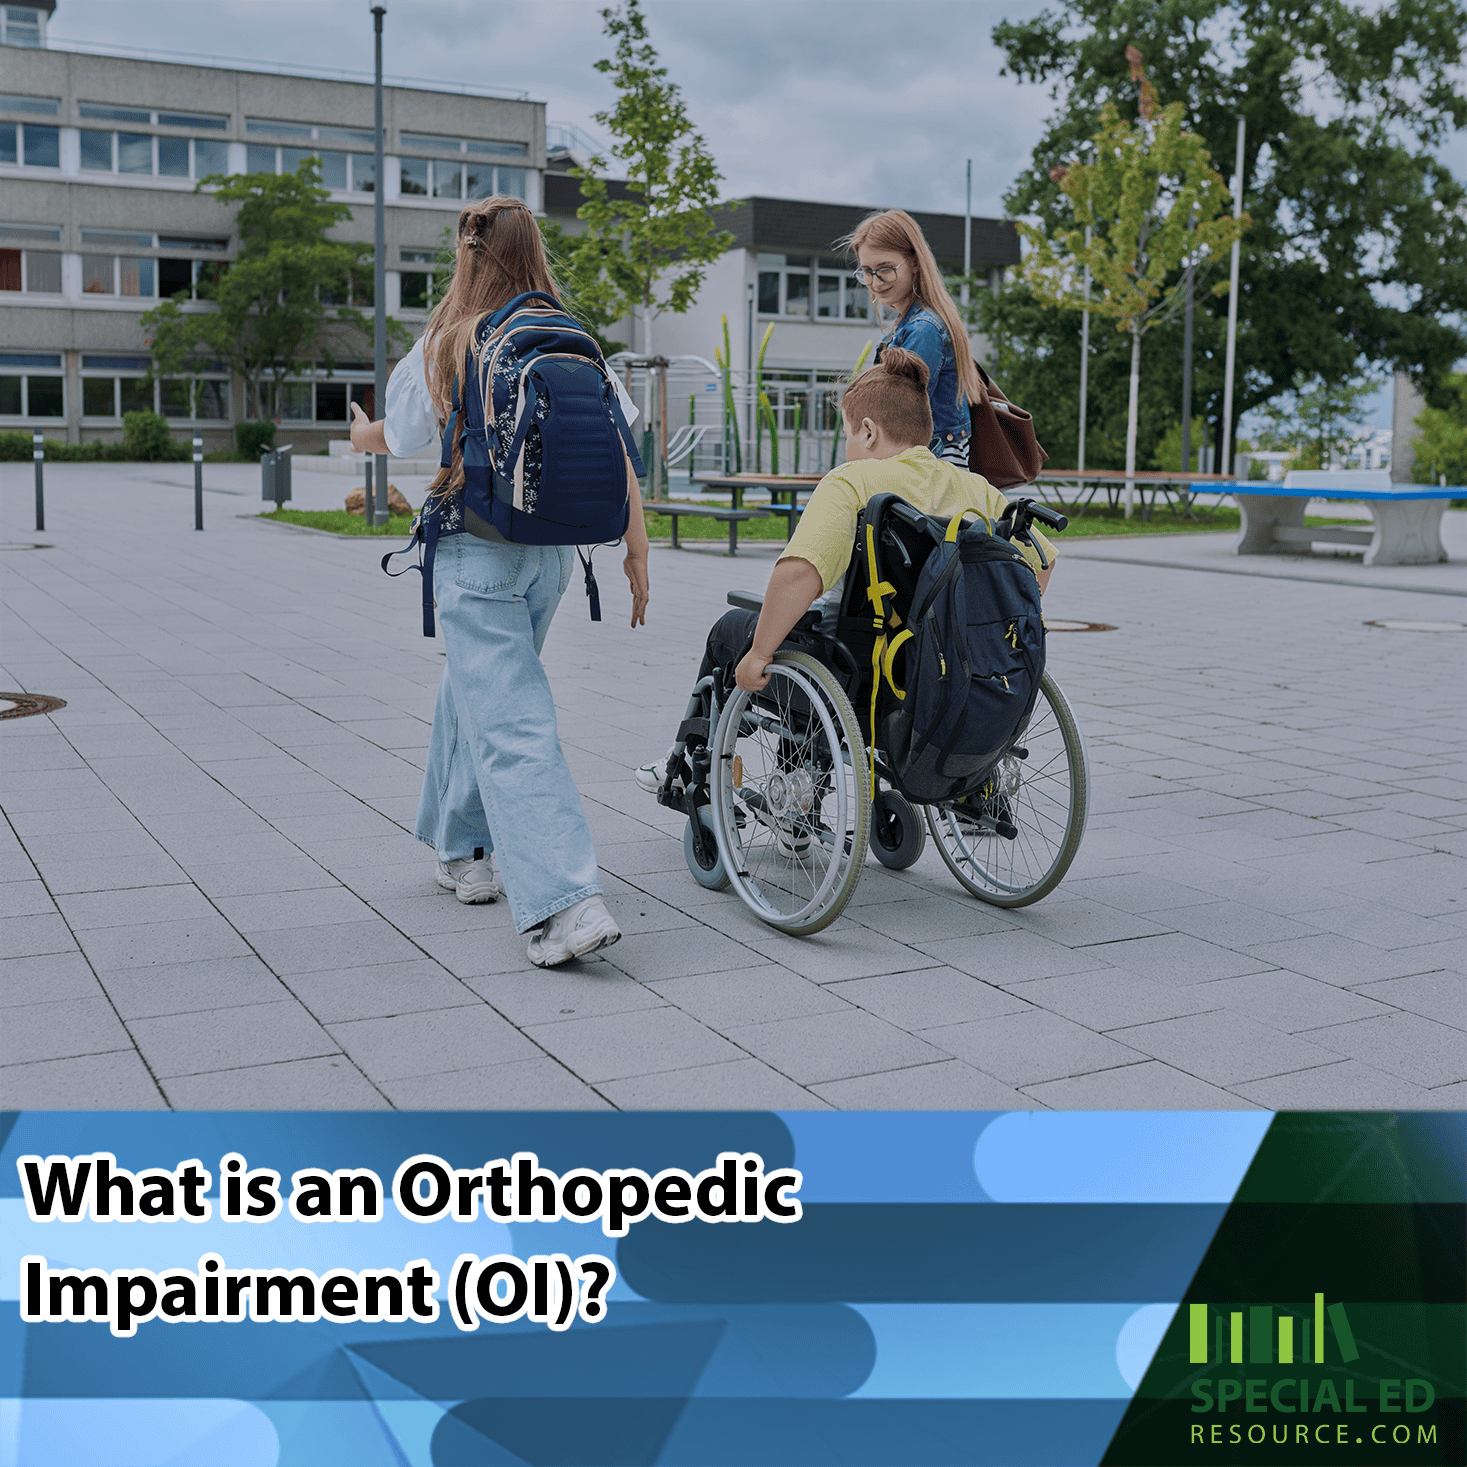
(691, 527)
(339, 522)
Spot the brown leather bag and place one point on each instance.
(1003, 447)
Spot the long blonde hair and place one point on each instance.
(895, 229)
(499, 255)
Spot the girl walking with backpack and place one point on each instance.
(499, 805)
(897, 266)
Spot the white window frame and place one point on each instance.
(25, 374)
(193, 175)
(849, 285)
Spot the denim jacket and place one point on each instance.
(921, 331)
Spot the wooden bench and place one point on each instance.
(675, 509)
(1406, 529)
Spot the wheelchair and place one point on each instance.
(778, 785)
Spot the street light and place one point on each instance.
(376, 515)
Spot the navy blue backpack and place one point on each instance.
(543, 439)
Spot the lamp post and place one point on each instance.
(968, 240)
(1225, 458)
(378, 496)
(1187, 370)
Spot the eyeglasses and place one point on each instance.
(884, 273)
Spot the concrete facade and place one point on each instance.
(85, 250)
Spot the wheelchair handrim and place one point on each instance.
(724, 825)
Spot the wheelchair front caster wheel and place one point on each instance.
(714, 877)
(897, 832)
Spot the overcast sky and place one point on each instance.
(872, 102)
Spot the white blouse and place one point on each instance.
(410, 424)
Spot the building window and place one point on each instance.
(36, 272)
(31, 385)
(18, 102)
(326, 400)
(134, 152)
(414, 178)
(430, 142)
(118, 275)
(448, 178)
(345, 172)
(417, 284)
(789, 285)
(114, 385)
(21, 25)
(109, 112)
(30, 144)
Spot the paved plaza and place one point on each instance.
(210, 895)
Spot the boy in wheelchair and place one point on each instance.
(888, 424)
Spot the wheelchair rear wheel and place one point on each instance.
(790, 801)
(1044, 797)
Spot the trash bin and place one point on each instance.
(275, 474)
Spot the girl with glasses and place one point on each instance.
(898, 268)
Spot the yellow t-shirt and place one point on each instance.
(827, 529)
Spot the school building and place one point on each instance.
(99, 157)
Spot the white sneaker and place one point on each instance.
(651, 776)
(471, 879)
(574, 933)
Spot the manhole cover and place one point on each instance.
(1419, 626)
(22, 705)
(23, 545)
(1077, 626)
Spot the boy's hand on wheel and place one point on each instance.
(635, 567)
(750, 674)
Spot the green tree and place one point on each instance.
(648, 245)
(282, 302)
(1441, 447)
(1317, 424)
(1358, 245)
(1146, 202)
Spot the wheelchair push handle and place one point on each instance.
(1015, 521)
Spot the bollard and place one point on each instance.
(379, 503)
(282, 474)
(367, 504)
(39, 451)
(198, 482)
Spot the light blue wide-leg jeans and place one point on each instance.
(496, 777)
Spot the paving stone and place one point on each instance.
(25, 899)
(1439, 996)
(1340, 961)
(944, 1085)
(931, 919)
(1346, 1085)
(1006, 958)
(752, 995)
(1150, 1085)
(463, 1037)
(529, 1084)
(928, 997)
(1227, 1048)
(108, 874)
(1286, 1001)
(742, 1084)
(337, 945)
(834, 1046)
(46, 978)
(1417, 1049)
(573, 990)
(1236, 925)
(189, 940)
(115, 1081)
(229, 1038)
(60, 1029)
(1109, 998)
(1024, 1049)
(141, 906)
(25, 937)
(275, 911)
(617, 1046)
(1179, 958)
(657, 955)
(181, 988)
(325, 1083)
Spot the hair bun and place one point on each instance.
(898, 362)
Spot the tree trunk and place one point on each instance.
(1131, 417)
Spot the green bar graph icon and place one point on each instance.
(1286, 1339)
(1319, 1329)
(1235, 1352)
(1197, 1334)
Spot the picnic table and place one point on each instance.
(1162, 482)
(778, 486)
(1406, 518)
(675, 509)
